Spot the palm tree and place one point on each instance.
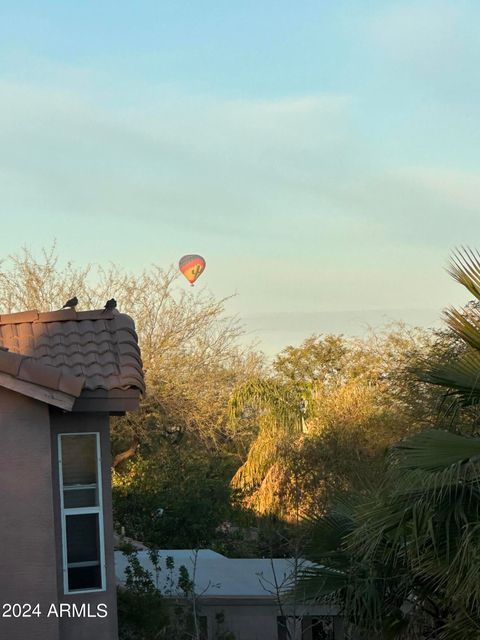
(276, 408)
(407, 559)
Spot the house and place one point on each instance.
(240, 595)
(62, 374)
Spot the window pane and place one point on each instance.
(203, 620)
(79, 470)
(83, 538)
(84, 578)
(74, 498)
(83, 552)
(81, 491)
(79, 459)
(318, 628)
(282, 627)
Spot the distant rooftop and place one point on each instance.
(218, 576)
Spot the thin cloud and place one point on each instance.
(292, 191)
(427, 32)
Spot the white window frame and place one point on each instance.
(64, 512)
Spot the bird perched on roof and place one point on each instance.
(71, 304)
(110, 305)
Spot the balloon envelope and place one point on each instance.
(192, 266)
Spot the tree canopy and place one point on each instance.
(403, 560)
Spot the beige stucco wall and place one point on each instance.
(245, 622)
(30, 539)
(27, 545)
(256, 618)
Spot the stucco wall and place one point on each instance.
(256, 618)
(245, 622)
(87, 628)
(27, 547)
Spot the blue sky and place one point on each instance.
(322, 156)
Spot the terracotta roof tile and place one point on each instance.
(16, 318)
(10, 362)
(63, 314)
(101, 346)
(71, 384)
(30, 370)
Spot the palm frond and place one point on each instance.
(327, 534)
(464, 624)
(318, 582)
(329, 531)
(435, 451)
(260, 458)
(461, 377)
(465, 268)
(432, 469)
(465, 324)
(267, 396)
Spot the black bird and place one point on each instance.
(71, 304)
(110, 305)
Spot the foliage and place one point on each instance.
(142, 612)
(404, 561)
(178, 494)
(152, 608)
(326, 414)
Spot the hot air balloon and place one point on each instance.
(192, 266)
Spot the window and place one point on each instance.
(318, 628)
(203, 624)
(282, 628)
(81, 512)
(288, 627)
(312, 627)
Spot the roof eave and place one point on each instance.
(52, 397)
(114, 401)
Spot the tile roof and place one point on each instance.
(29, 370)
(98, 346)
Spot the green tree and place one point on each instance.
(178, 496)
(142, 611)
(323, 418)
